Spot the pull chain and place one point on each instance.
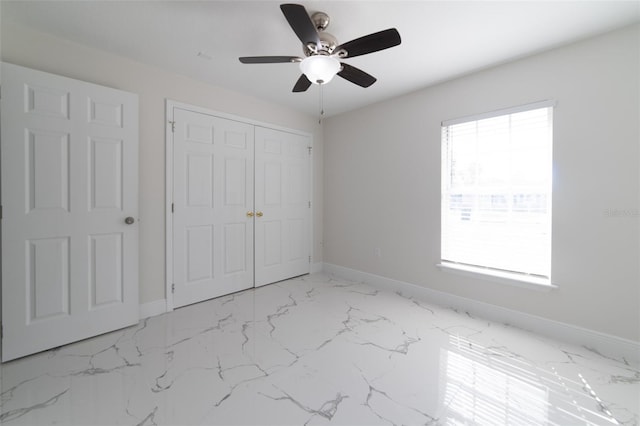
(321, 104)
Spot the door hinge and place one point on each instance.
(0, 212)
(173, 126)
(309, 259)
(310, 149)
(1, 331)
(173, 288)
(172, 208)
(309, 204)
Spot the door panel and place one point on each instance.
(48, 278)
(212, 193)
(236, 249)
(235, 182)
(282, 196)
(272, 230)
(199, 253)
(47, 170)
(105, 269)
(105, 174)
(69, 179)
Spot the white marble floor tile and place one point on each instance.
(318, 351)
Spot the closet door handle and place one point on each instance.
(259, 214)
(249, 214)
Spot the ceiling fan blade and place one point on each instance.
(300, 22)
(268, 59)
(302, 84)
(356, 75)
(371, 43)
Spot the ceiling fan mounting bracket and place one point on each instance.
(320, 20)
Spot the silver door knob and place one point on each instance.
(129, 220)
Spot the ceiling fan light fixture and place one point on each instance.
(320, 69)
(322, 52)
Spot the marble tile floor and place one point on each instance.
(318, 350)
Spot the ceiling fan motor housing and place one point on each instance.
(327, 45)
(327, 41)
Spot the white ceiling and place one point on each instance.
(440, 39)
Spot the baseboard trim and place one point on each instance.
(152, 309)
(604, 344)
(316, 267)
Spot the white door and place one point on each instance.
(213, 206)
(69, 182)
(283, 206)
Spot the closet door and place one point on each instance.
(282, 204)
(213, 206)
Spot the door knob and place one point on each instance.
(129, 220)
(249, 214)
(259, 214)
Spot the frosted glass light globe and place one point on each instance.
(320, 69)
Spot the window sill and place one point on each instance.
(516, 280)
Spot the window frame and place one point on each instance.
(514, 278)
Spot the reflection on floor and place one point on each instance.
(317, 350)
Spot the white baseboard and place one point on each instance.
(151, 309)
(158, 307)
(605, 344)
(316, 267)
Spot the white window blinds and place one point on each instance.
(496, 190)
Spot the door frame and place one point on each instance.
(169, 107)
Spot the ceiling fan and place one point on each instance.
(321, 50)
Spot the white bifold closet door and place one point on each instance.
(70, 210)
(213, 192)
(282, 206)
(241, 206)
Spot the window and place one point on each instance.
(496, 192)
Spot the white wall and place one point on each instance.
(382, 182)
(31, 49)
